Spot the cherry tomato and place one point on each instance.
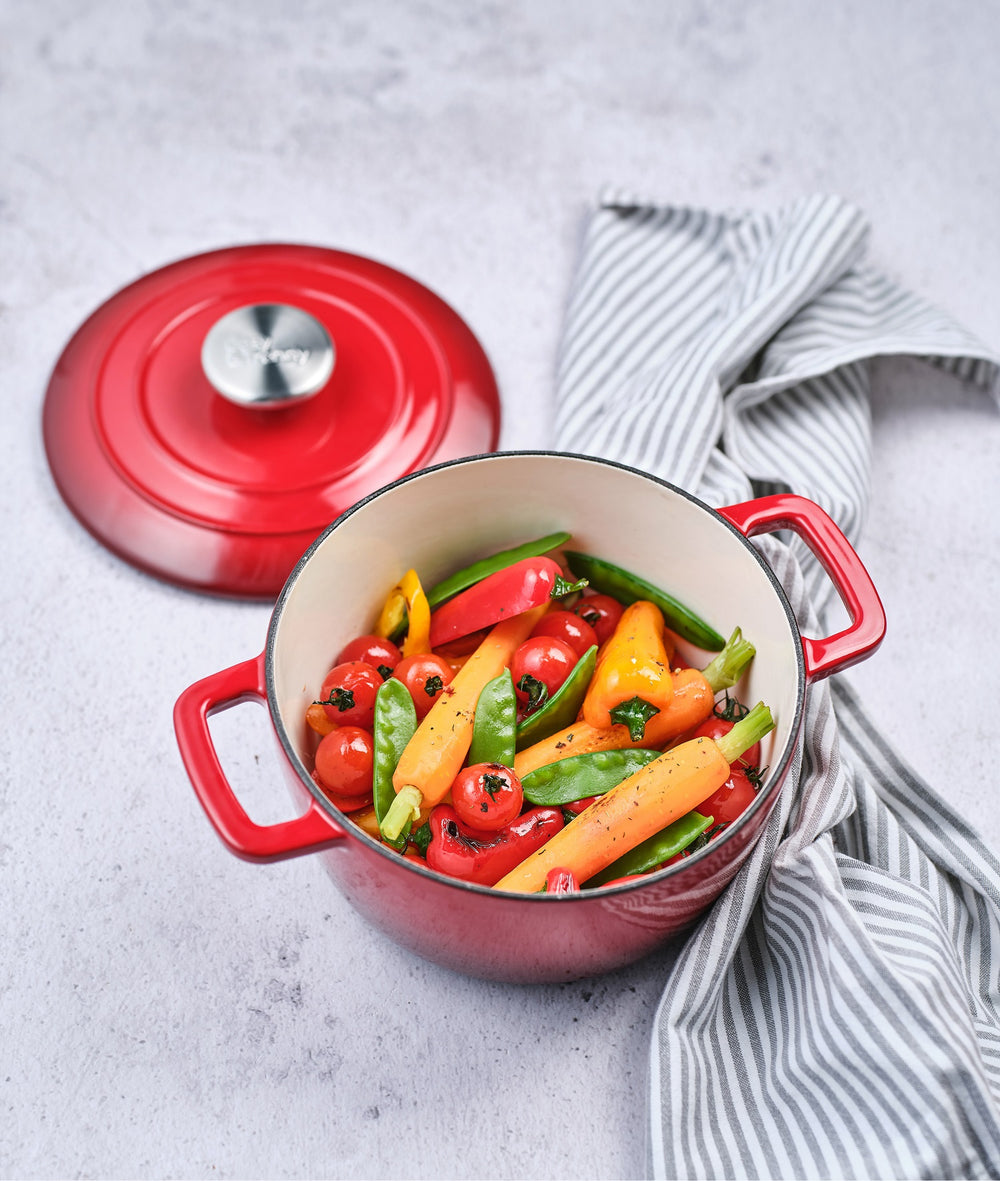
(568, 627)
(602, 612)
(344, 763)
(715, 726)
(426, 676)
(539, 667)
(487, 796)
(731, 800)
(578, 806)
(348, 694)
(381, 654)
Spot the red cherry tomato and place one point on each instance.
(539, 667)
(487, 796)
(731, 800)
(425, 676)
(715, 726)
(568, 627)
(348, 694)
(578, 806)
(602, 612)
(381, 654)
(344, 762)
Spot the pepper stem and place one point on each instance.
(724, 670)
(745, 732)
(634, 713)
(405, 808)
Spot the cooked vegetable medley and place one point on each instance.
(528, 724)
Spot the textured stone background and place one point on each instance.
(170, 1011)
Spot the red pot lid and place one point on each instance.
(212, 418)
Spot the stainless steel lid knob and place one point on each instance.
(267, 355)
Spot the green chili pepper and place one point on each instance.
(582, 776)
(562, 707)
(393, 727)
(462, 579)
(495, 725)
(629, 588)
(658, 848)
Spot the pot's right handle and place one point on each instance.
(824, 537)
(308, 833)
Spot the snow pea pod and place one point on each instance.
(656, 849)
(562, 707)
(582, 776)
(629, 588)
(470, 575)
(394, 725)
(495, 725)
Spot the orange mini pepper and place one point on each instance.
(632, 682)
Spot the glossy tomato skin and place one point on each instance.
(731, 800)
(343, 764)
(426, 677)
(602, 612)
(348, 694)
(380, 653)
(568, 627)
(487, 796)
(540, 660)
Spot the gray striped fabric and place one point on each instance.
(837, 1014)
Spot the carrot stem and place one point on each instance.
(725, 669)
(745, 732)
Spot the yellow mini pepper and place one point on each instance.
(407, 605)
(632, 682)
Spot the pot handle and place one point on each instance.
(308, 833)
(785, 510)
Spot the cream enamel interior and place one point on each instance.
(446, 517)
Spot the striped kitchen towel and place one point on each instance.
(837, 1014)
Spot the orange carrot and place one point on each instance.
(436, 752)
(639, 807)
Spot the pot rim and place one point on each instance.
(772, 784)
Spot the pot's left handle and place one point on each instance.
(308, 833)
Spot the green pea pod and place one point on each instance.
(629, 588)
(394, 726)
(658, 848)
(581, 776)
(462, 579)
(563, 707)
(495, 724)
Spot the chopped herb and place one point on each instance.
(537, 693)
(492, 784)
(340, 698)
(563, 587)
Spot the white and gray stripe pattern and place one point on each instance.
(837, 1014)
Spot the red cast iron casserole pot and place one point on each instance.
(440, 519)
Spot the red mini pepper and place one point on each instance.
(484, 858)
(508, 592)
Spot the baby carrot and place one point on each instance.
(640, 806)
(436, 752)
(691, 703)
